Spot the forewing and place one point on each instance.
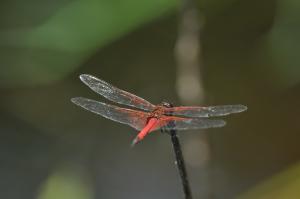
(134, 118)
(210, 111)
(115, 94)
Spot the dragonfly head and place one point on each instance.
(166, 104)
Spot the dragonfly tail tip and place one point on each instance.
(135, 141)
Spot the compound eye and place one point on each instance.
(166, 104)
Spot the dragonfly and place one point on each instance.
(147, 117)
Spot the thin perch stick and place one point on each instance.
(180, 165)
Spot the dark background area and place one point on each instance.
(51, 149)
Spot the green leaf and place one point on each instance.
(60, 43)
(283, 185)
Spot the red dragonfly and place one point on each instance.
(150, 117)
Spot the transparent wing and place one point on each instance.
(193, 123)
(181, 123)
(210, 111)
(134, 118)
(114, 94)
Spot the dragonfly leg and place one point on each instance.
(164, 131)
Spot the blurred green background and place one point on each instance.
(52, 149)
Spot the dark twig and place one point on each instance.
(179, 159)
(180, 165)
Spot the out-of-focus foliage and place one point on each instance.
(284, 41)
(249, 56)
(52, 48)
(66, 185)
(215, 7)
(283, 185)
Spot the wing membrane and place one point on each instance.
(210, 111)
(180, 123)
(115, 94)
(193, 123)
(134, 118)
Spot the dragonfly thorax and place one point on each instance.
(158, 112)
